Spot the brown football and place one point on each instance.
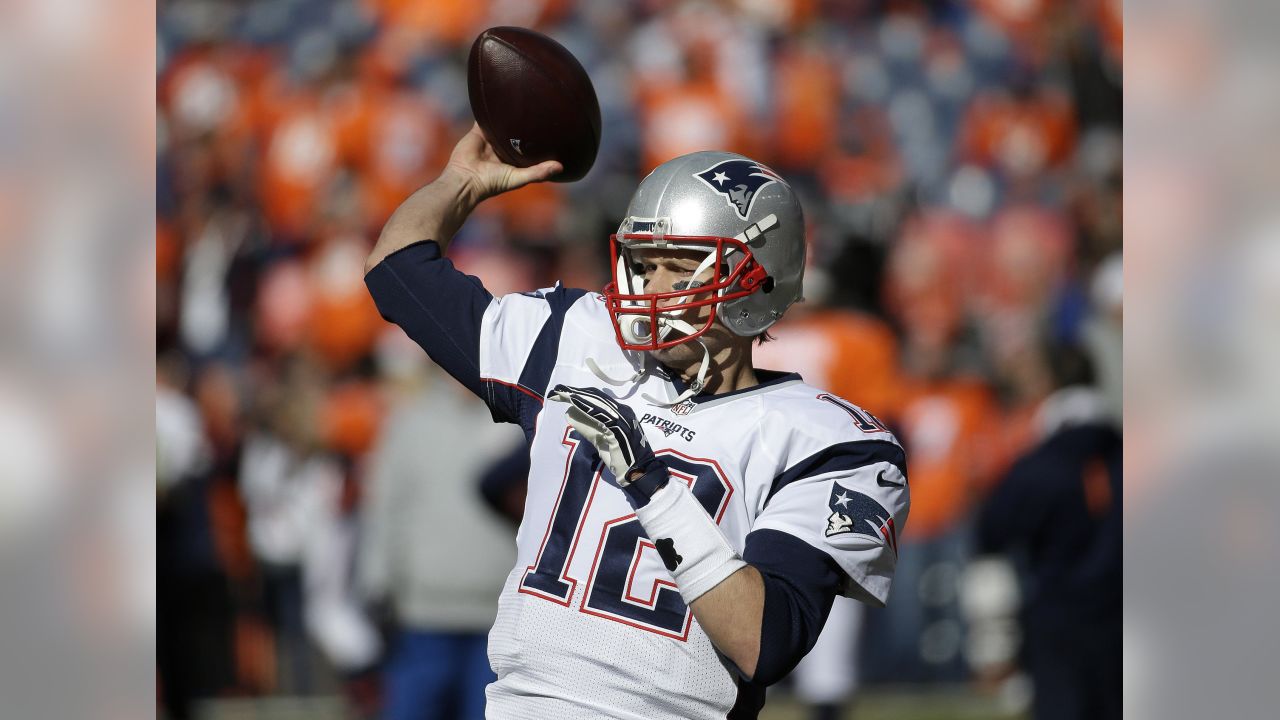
(533, 101)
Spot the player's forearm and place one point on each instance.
(434, 212)
(731, 613)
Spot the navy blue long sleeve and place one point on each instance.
(443, 311)
(437, 306)
(800, 584)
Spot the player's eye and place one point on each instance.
(637, 268)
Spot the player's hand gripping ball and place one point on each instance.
(613, 430)
(533, 101)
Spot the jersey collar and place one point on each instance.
(769, 380)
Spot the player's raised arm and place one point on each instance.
(437, 210)
(437, 306)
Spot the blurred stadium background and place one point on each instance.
(960, 169)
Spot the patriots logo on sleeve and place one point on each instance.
(855, 513)
(738, 181)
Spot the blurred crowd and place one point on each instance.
(958, 162)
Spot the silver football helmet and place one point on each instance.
(746, 219)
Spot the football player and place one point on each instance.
(690, 518)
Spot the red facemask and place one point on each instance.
(640, 323)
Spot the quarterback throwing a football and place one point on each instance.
(690, 518)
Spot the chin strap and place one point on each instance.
(694, 388)
(595, 370)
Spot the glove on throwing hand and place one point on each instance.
(613, 429)
(688, 540)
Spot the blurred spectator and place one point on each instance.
(433, 553)
(290, 486)
(1059, 507)
(863, 166)
(945, 416)
(1022, 131)
(806, 106)
(699, 83)
(193, 643)
(181, 449)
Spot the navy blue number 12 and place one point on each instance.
(609, 591)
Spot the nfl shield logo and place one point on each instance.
(683, 408)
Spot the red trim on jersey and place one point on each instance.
(724, 477)
(604, 532)
(652, 602)
(577, 531)
(517, 386)
(639, 553)
(586, 595)
(861, 418)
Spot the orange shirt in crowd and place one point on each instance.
(458, 22)
(343, 322)
(168, 253)
(687, 118)
(806, 107)
(343, 327)
(450, 22)
(351, 415)
(533, 211)
(301, 156)
(949, 427)
(857, 174)
(854, 355)
(1023, 137)
(395, 140)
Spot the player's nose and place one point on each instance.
(661, 281)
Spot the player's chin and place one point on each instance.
(678, 356)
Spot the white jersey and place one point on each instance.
(589, 623)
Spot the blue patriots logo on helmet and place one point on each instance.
(738, 181)
(855, 513)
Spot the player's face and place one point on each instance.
(670, 270)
